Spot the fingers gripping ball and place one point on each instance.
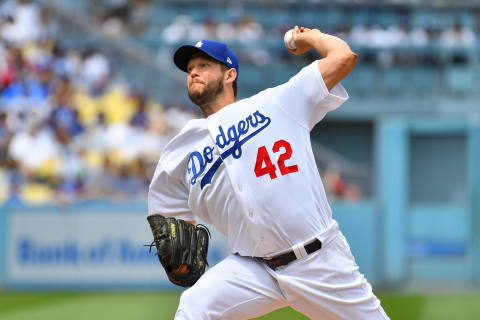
(288, 39)
(182, 248)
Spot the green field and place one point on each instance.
(162, 305)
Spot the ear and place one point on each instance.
(230, 75)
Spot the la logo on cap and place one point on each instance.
(228, 60)
(199, 44)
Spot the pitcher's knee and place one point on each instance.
(190, 306)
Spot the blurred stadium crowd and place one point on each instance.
(69, 128)
(254, 27)
(72, 128)
(249, 32)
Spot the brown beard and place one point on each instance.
(209, 93)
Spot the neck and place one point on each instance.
(220, 102)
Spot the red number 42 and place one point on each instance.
(269, 168)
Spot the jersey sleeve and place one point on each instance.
(305, 96)
(168, 196)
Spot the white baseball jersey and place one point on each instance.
(249, 169)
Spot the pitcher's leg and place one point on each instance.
(328, 285)
(332, 309)
(236, 288)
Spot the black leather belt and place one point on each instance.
(286, 258)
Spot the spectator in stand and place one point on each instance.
(338, 187)
(64, 116)
(115, 18)
(477, 29)
(226, 32)
(458, 37)
(36, 137)
(5, 137)
(95, 70)
(142, 172)
(177, 117)
(420, 37)
(249, 30)
(125, 183)
(23, 21)
(140, 117)
(343, 31)
(206, 29)
(124, 17)
(177, 30)
(118, 183)
(69, 177)
(140, 16)
(396, 35)
(368, 36)
(47, 26)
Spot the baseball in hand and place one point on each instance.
(288, 39)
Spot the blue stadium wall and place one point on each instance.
(102, 245)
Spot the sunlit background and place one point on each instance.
(89, 96)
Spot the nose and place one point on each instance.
(193, 73)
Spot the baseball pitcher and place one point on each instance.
(248, 169)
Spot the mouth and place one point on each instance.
(195, 84)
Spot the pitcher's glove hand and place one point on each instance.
(181, 248)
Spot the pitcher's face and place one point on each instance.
(204, 79)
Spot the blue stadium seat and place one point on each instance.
(388, 18)
(151, 39)
(268, 17)
(334, 18)
(423, 18)
(197, 13)
(250, 77)
(459, 80)
(476, 80)
(315, 18)
(395, 80)
(467, 19)
(422, 80)
(283, 72)
(164, 15)
(361, 17)
(362, 80)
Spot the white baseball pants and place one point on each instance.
(323, 285)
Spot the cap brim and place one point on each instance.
(183, 55)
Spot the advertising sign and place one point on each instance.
(86, 249)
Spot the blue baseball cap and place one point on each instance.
(217, 50)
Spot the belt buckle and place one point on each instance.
(274, 263)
